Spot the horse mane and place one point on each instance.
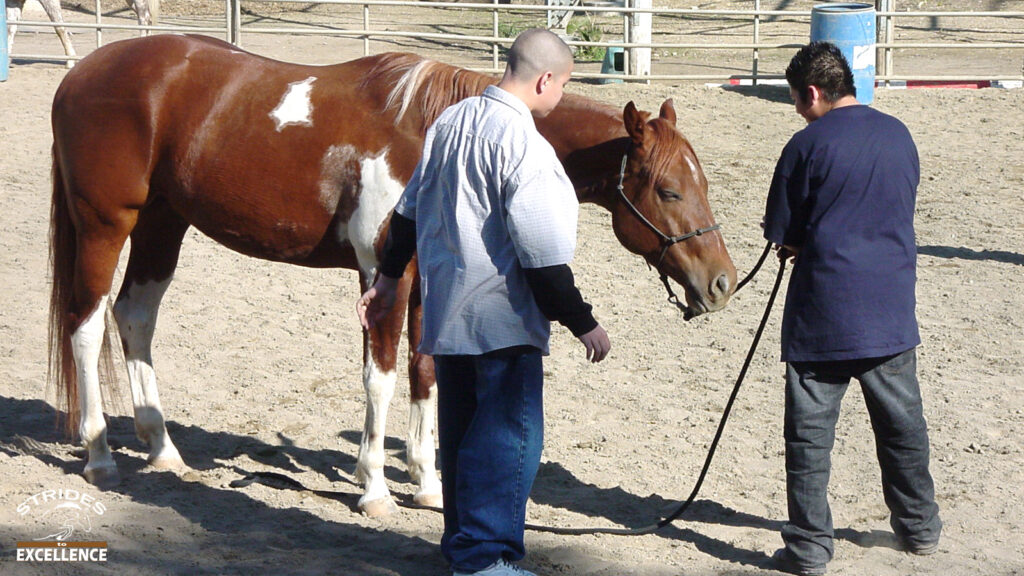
(426, 85)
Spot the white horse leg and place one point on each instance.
(52, 8)
(13, 15)
(86, 345)
(136, 312)
(420, 450)
(141, 9)
(380, 388)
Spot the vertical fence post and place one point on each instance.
(884, 34)
(236, 22)
(495, 31)
(366, 28)
(5, 58)
(757, 40)
(640, 33)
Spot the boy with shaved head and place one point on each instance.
(492, 217)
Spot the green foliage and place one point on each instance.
(586, 30)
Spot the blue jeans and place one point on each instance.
(490, 429)
(814, 391)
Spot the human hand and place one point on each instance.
(376, 302)
(597, 344)
(785, 252)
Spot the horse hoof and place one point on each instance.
(169, 464)
(103, 478)
(429, 500)
(379, 508)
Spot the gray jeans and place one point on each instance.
(814, 391)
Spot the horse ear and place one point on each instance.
(635, 122)
(668, 112)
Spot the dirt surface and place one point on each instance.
(260, 370)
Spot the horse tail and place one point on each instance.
(61, 372)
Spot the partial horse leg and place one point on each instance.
(380, 350)
(13, 15)
(156, 243)
(99, 243)
(420, 456)
(52, 8)
(142, 12)
(87, 344)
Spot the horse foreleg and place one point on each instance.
(52, 8)
(86, 345)
(380, 350)
(420, 456)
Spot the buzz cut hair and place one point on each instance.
(537, 51)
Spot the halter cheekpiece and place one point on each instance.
(666, 240)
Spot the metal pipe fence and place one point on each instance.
(742, 38)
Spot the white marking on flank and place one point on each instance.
(295, 106)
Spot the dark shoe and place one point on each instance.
(785, 562)
(923, 549)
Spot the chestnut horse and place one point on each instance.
(303, 164)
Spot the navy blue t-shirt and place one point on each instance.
(843, 193)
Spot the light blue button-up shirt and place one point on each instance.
(489, 198)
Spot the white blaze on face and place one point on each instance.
(378, 193)
(693, 170)
(295, 106)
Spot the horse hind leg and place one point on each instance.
(156, 244)
(84, 259)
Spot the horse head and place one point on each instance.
(662, 211)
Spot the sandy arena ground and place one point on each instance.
(260, 370)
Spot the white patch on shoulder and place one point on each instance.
(379, 191)
(295, 106)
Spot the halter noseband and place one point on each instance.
(666, 240)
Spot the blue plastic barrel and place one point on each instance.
(5, 58)
(851, 27)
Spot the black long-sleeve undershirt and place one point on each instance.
(553, 287)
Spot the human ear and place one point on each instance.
(813, 94)
(543, 80)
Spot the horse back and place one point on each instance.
(268, 158)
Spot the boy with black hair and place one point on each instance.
(841, 205)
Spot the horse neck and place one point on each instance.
(590, 140)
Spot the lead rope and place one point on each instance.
(718, 434)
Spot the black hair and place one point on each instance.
(821, 64)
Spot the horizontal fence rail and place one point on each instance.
(371, 22)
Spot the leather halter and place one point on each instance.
(666, 240)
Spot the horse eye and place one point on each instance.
(669, 195)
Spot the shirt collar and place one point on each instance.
(508, 99)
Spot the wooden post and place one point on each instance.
(640, 33)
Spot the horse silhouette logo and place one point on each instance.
(69, 515)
